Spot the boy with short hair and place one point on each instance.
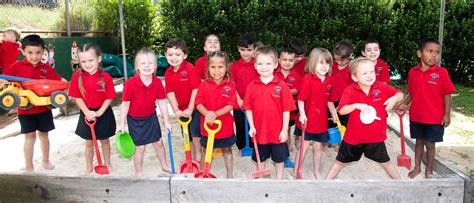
(268, 103)
(371, 50)
(37, 118)
(182, 82)
(299, 48)
(429, 88)
(9, 48)
(365, 138)
(243, 72)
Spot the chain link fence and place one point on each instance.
(64, 17)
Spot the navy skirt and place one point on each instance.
(144, 130)
(104, 127)
(219, 143)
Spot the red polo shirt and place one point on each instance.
(268, 102)
(9, 51)
(342, 79)
(382, 72)
(200, 66)
(357, 132)
(316, 94)
(142, 98)
(27, 70)
(426, 90)
(98, 87)
(243, 73)
(214, 97)
(299, 67)
(292, 80)
(182, 83)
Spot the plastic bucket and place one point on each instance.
(334, 136)
(124, 144)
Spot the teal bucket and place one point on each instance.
(334, 136)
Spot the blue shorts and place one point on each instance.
(317, 137)
(374, 151)
(428, 132)
(42, 122)
(219, 143)
(278, 152)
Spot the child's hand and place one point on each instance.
(390, 103)
(334, 118)
(98, 114)
(187, 113)
(120, 127)
(90, 115)
(168, 126)
(364, 108)
(303, 119)
(252, 132)
(283, 136)
(446, 120)
(210, 117)
(240, 102)
(178, 114)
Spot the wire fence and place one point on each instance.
(49, 16)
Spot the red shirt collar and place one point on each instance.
(274, 80)
(225, 80)
(433, 67)
(26, 62)
(357, 86)
(241, 60)
(139, 82)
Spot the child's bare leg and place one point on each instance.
(138, 160)
(335, 169)
(279, 170)
(388, 166)
(317, 152)
(28, 149)
(106, 152)
(306, 145)
(203, 157)
(161, 154)
(44, 145)
(288, 142)
(228, 161)
(89, 153)
(419, 149)
(430, 154)
(197, 148)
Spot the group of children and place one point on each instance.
(269, 91)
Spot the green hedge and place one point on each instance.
(397, 26)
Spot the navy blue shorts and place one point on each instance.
(144, 130)
(42, 122)
(317, 137)
(219, 143)
(374, 151)
(194, 126)
(104, 127)
(428, 132)
(278, 152)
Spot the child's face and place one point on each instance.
(89, 61)
(265, 64)
(175, 56)
(298, 58)
(9, 36)
(146, 64)
(322, 67)
(287, 60)
(246, 53)
(212, 44)
(371, 51)
(217, 68)
(341, 62)
(430, 54)
(365, 74)
(33, 54)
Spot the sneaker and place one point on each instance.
(289, 164)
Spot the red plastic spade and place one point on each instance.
(100, 169)
(403, 160)
(299, 171)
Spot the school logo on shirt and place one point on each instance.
(100, 86)
(277, 91)
(184, 76)
(376, 95)
(226, 92)
(290, 82)
(43, 73)
(434, 78)
(379, 70)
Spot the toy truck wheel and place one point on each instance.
(28, 106)
(9, 101)
(59, 99)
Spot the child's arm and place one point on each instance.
(189, 111)
(174, 105)
(90, 115)
(332, 110)
(123, 114)
(302, 117)
(447, 110)
(240, 101)
(252, 130)
(406, 101)
(347, 109)
(102, 108)
(393, 100)
(284, 131)
(164, 112)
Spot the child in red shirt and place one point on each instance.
(182, 84)
(372, 51)
(268, 104)
(139, 97)
(315, 98)
(360, 138)
(93, 90)
(300, 50)
(215, 99)
(291, 78)
(37, 118)
(211, 44)
(243, 73)
(9, 48)
(430, 91)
